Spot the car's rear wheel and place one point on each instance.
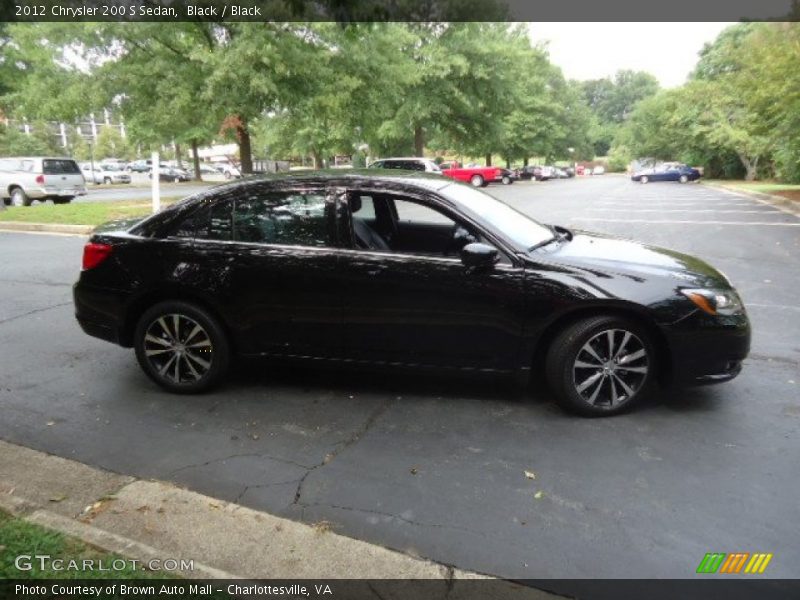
(507, 180)
(644, 179)
(683, 178)
(181, 347)
(476, 180)
(20, 198)
(600, 365)
(107, 180)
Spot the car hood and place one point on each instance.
(612, 255)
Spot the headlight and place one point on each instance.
(715, 302)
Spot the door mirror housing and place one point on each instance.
(479, 256)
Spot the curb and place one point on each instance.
(46, 227)
(779, 202)
(150, 520)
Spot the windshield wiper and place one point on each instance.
(559, 233)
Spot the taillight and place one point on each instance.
(94, 254)
(40, 179)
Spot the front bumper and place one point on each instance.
(707, 349)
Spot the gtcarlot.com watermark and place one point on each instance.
(29, 562)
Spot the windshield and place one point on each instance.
(512, 224)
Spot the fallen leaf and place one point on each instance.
(538, 495)
(58, 498)
(530, 474)
(254, 436)
(143, 508)
(414, 470)
(51, 423)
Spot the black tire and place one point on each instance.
(228, 174)
(477, 181)
(209, 346)
(63, 200)
(644, 179)
(507, 180)
(20, 198)
(683, 179)
(107, 180)
(569, 366)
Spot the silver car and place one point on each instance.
(25, 179)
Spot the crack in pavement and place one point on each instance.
(241, 455)
(342, 445)
(45, 283)
(247, 488)
(36, 310)
(397, 517)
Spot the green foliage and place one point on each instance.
(111, 144)
(739, 115)
(39, 142)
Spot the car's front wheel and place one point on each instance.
(181, 347)
(600, 365)
(644, 179)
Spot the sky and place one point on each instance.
(596, 50)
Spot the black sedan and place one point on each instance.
(404, 269)
(667, 172)
(171, 174)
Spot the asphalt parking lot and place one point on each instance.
(435, 466)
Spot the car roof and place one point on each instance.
(345, 177)
(405, 158)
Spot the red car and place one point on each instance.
(477, 176)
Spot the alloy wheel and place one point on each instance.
(178, 348)
(610, 368)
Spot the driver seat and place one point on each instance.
(366, 237)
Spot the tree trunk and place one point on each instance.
(508, 163)
(196, 159)
(525, 163)
(419, 140)
(489, 160)
(317, 160)
(178, 160)
(245, 151)
(750, 166)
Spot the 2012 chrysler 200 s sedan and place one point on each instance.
(404, 269)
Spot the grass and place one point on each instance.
(766, 187)
(18, 537)
(88, 213)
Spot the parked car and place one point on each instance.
(228, 169)
(409, 163)
(410, 270)
(560, 173)
(167, 173)
(476, 175)
(599, 170)
(547, 173)
(530, 172)
(107, 174)
(140, 166)
(25, 179)
(506, 176)
(667, 172)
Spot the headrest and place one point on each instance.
(355, 203)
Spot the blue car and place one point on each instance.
(667, 172)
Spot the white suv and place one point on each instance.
(412, 163)
(25, 179)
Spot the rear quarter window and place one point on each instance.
(60, 167)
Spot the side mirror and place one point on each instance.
(479, 256)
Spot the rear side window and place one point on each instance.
(291, 218)
(213, 222)
(60, 167)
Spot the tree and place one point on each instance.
(110, 143)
